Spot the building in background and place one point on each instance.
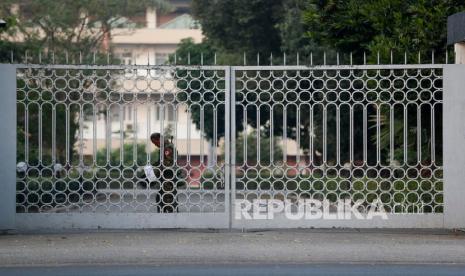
(149, 39)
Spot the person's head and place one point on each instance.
(155, 138)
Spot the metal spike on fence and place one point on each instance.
(40, 57)
(324, 58)
(66, 57)
(311, 58)
(175, 58)
(245, 59)
(447, 56)
(298, 59)
(201, 58)
(419, 57)
(12, 57)
(351, 60)
(364, 58)
(93, 57)
(214, 58)
(80, 57)
(432, 56)
(284, 58)
(189, 58)
(148, 58)
(405, 57)
(377, 57)
(108, 57)
(271, 59)
(53, 57)
(258, 59)
(392, 57)
(337, 58)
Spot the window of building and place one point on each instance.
(161, 58)
(125, 57)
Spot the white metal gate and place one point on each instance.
(327, 140)
(84, 140)
(246, 140)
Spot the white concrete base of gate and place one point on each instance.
(392, 221)
(57, 221)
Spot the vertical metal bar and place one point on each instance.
(81, 134)
(40, 135)
(108, 132)
(365, 135)
(312, 134)
(257, 111)
(189, 115)
(54, 139)
(405, 134)
(94, 135)
(419, 155)
(122, 111)
(338, 135)
(68, 161)
(351, 134)
(325, 136)
(433, 136)
(298, 135)
(285, 135)
(202, 130)
(378, 135)
(244, 135)
(26, 132)
(230, 141)
(391, 134)
(136, 130)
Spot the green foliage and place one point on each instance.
(57, 27)
(381, 25)
(240, 25)
(251, 147)
(128, 156)
(73, 25)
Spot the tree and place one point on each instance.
(380, 26)
(240, 25)
(73, 27)
(265, 152)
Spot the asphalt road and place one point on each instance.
(203, 247)
(243, 270)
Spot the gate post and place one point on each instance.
(454, 145)
(7, 147)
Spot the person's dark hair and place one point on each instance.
(155, 135)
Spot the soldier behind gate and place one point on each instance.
(166, 174)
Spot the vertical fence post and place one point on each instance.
(232, 147)
(454, 146)
(227, 144)
(7, 147)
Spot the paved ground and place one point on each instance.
(178, 247)
(243, 270)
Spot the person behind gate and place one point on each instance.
(167, 176)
